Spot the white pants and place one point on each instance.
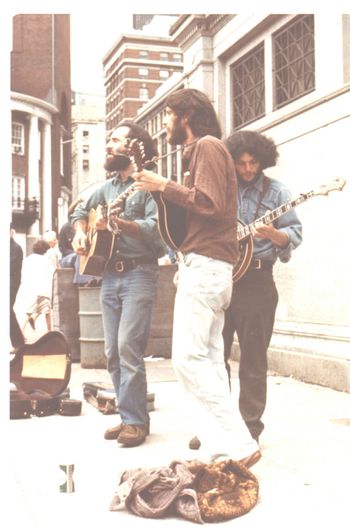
(203, 293)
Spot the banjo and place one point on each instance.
(244, 232)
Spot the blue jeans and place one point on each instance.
(126, 302)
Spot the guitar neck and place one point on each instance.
(246, 230)
(123, 196)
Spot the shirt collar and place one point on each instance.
(117, 180)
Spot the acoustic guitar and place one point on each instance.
(100, 243)
(244, 232)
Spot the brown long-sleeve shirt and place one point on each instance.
(208, 195)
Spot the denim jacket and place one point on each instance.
(277, 194)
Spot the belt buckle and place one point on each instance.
(257, 263)
(119, 266)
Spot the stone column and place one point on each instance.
(33, 167)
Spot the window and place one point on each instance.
(85, 165)
(163, 74)
(177, 57)
(18, 193)
(143, 72)
(248, 87)
(17, 138)
(143, 93)
(143, 54)
(174, 166)
(85, 149)
(294, 60)
(164, 150)
(164, 56)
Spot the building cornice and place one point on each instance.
(188, 28)
(31, 101)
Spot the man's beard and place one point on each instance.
(177, 135)
(245, 183)
(117, 163)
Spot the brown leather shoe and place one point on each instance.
(113, 433)
(133, 435)
(251, 460)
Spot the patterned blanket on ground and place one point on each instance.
(195, 490)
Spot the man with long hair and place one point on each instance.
(208, 253)
(252, 309)
(129, 281)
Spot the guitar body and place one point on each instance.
(99, 248)
(245, 256)
(171, 221)
(43, 367)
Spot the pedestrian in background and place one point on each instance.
(16, 259)
(53, 254)
(35, 292)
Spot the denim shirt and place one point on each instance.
(276, 195)
(139, 207)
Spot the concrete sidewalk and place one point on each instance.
(303, 473)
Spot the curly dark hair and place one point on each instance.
(196, 106)
(262, 148)
(138, 132)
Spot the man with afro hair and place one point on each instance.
(251, 314)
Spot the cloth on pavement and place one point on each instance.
(195, 490)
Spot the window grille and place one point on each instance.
(294, 60)
(248, 87)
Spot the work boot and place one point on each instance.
(133, 435)
(113, 433)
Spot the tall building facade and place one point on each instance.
(41, 122)
(88, 146)
(133, 69)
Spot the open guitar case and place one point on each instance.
(40, 373)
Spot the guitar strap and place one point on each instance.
(265, 187)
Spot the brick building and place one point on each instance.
(134, 68)
(41, 123)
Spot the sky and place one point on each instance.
(91, 38)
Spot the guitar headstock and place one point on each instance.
(136, 153)
(335, 185)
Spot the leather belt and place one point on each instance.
(124, 265)
(257, 263)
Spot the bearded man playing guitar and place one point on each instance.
(129, 277)
(254, 300)
(208, 253)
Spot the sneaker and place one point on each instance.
(133, 435)
(113, 433)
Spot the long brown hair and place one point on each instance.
(197, 108)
